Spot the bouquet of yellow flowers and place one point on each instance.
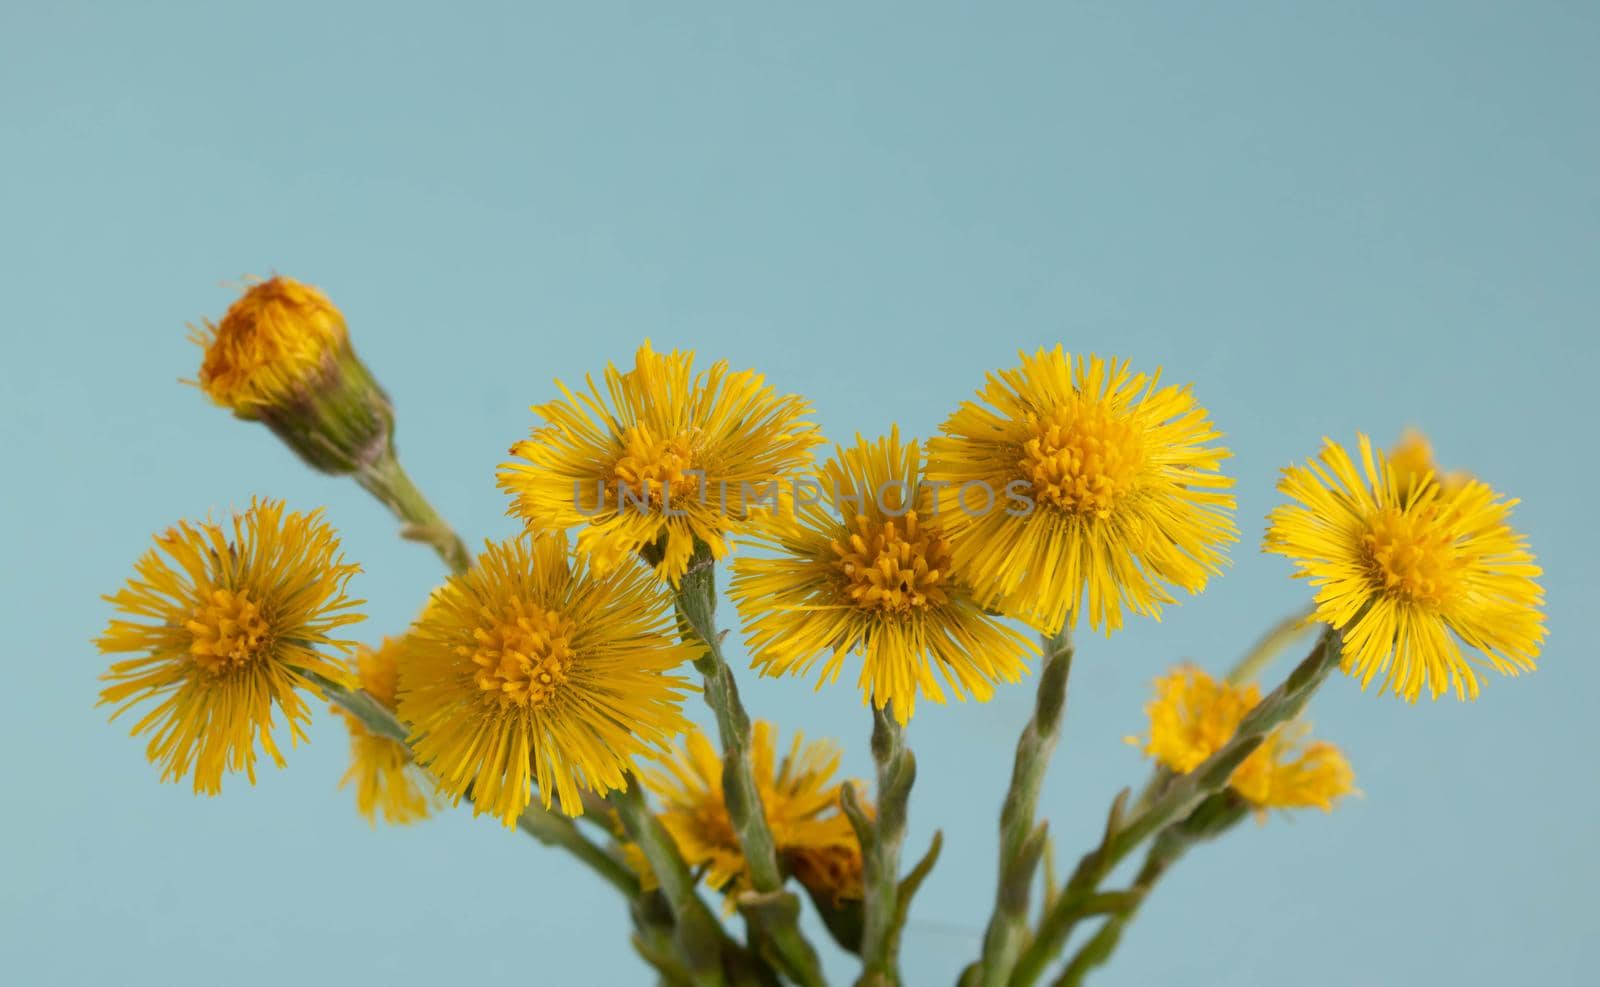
(544, 682)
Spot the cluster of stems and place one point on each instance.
(688, 945)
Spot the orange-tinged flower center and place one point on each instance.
(1413, 557)
(896, 565)
(656, 468)
(1082, 459)
(228, 631)
(526, 659)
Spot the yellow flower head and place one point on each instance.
(531, 668)
(1076, 476)
(671, 458)
(272, 341)
(831, 869)
(799, 794)
(227, 624)
(1193, 716)
(1409, 573)
(1413, 463)
(385, 781)
(863, 566)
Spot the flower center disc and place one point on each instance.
(656, 468)
(1082, 460)
(228, 632)
(896, 565)
(1413, 557)
(525, 659)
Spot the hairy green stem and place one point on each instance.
(386, 480)
(699, 936)
(1021, 843)
(771, 911)
(1176, 801)
(883, 914)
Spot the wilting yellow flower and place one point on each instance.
(671, 458)
(869, 571)
(1193, 716)
(271, 343)
(831, 869)
(530, 668)
(228, 624)
(799, 795)
(386, 783)
(1413, 462)
(281, 355)
(1408, 573)
(1076, 476)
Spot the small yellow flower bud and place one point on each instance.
(281, 355)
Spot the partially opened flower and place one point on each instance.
(532, 669)
(864, 567)
(1410, 574)
(1413, 463)
(282, 355)
(1193, 716)
(386, 782)
(799, 795)
(665, 458)
(1076, 483)
(229, 624)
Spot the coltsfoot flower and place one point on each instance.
(531, 668)
(799, 795)
(1074, 478)
(1413, 462)
(672, 458)
(386, 782)
(1193, 716)
(229, 624)
(871, 572)
(1408, 572)
(282, 355)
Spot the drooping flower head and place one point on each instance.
(1076, 478)
(386, 782)
(862, 566)
(1409, 573)
(531, 668)
(665, 458)
(282, 355)
(1193, 716)
(228, 624)
(799, 795)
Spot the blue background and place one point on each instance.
(1330, 217)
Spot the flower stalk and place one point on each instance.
(771, 911)
(388, 481)
(1182, 796)
(884, 906)
(1021, 842)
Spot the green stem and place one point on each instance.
(1177, 800)
(881, 837)
(699, 935)
(1278, 637)
(1021, 843)
(772, 912)
(386, 480)
(549, 828)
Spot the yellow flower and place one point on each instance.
(386, 783)
(277, 337)
(870, 572)
(799, 795)
(531, 668)
(831, 869)
(281, 355)
(1075, 476)
(1193, 716)
(1413, 462)
(229, 624)
(671, 458)
(1408, 573)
